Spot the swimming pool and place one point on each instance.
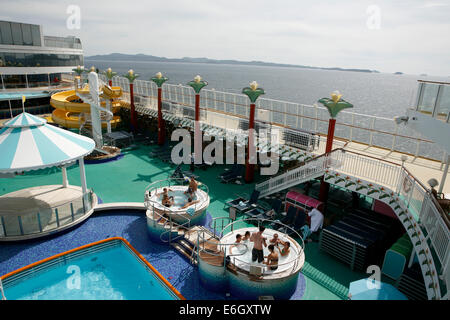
(106, 270)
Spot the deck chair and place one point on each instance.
(232, 176)
(234, 168)
(241, 204)
(300, 221)
(261, 212)
(287, 220)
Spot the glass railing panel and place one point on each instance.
(443, 106)
(428, 98)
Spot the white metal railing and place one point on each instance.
(429, 223)
(312, 169)
(351, 126)
(45, 219)
(230, 226)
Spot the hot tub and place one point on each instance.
(240, 279)
(194, 212)
(241, 257)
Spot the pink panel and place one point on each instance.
(383, 208)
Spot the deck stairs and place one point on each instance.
(311, 169)
(185, 239)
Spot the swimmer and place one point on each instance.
(275, 240)
(286, 248)
(237, 242)
(246, 236)
(272, 258)
(192, 188)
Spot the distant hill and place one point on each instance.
(150, 58)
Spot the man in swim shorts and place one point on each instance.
(192, 189)
(258, 242)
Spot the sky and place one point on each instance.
(410, 36)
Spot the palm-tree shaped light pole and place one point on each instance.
(253, 92)
(334, 106)
(79, 71)
(109, 75)
(197, 84)
(159, 80)
(131, 76)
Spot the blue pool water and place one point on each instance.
(112, 273)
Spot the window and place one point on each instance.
(443, 107)
(17, 33)
(39, 60)
(5, 29)
(26, 33)
(428, 98)
(36, 35)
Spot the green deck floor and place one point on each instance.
(126, 179)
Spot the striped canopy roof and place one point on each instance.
(28, 143)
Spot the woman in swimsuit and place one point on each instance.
(286, 248)
(272, 258)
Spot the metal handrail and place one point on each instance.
(183, 95)
(168, 183)
(231, 225)
(430, 216)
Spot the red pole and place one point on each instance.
(324, 187)
(197, 134)
(161, 133)
(133, 111)
(250, 167)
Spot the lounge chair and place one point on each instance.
(241, 204)
(232, 176)
(300, 221)
(287, 220)
(262, 212)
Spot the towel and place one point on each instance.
(190, 211)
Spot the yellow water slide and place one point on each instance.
(68, 106)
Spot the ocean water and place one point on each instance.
(380, 94)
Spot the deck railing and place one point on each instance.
(351, 126)
(229, 227)
(44, 220)
(427, 213)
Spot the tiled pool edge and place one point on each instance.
(56, 259)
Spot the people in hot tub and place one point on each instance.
(236, 243)
(258, 242)
(286, 248)
(165, 192)
(190, 202)
(166, 200)
(275, 240)
(272, 258)
(192, 188)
